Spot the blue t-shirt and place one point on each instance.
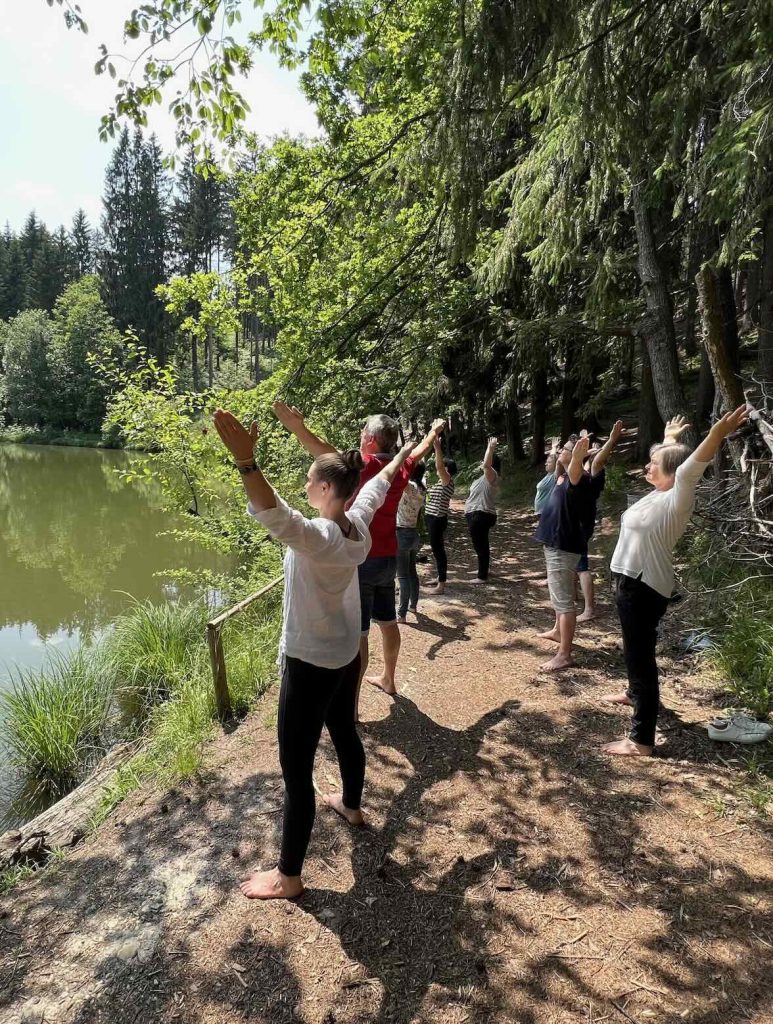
(568, 520)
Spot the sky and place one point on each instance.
(51, 159)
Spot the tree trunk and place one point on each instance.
(658, 328)
(751, 309)
(650, 420)
(765, 344)
(195, 364)
(729, 318)
(629, 351)
(569, 394)
(539, 407)
(704, 400)
(210, 358)
(725, 376)
(513, 431)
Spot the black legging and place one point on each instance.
(311, 697)
(436, 528)
(640, 609)
(480, 524)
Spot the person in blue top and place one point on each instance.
(563, 532)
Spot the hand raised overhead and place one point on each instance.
(675, 427)
(731, 421)
(288, 415)
(239, 441)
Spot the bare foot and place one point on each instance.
(627, 748)
(550, 634)
(387, 685)
(271, 885)
(587, 615)
(437, 588)
(336, 801)
(402, 619)
(477, 580)
(557, 664)
(617, 698)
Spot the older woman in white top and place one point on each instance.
(319, 649)
(643, 570)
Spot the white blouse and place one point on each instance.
(321, 613)
(650, 529)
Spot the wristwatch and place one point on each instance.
(250, 468)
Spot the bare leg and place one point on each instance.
(566, 624)
(588, 593)
(336, 802)
(364, 657)
(390, 641)
(271, 885)
(554, 633)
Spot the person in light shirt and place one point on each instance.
(320, 644)
(643, 567)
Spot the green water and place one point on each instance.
(75, 541)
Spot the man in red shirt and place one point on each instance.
(377, 572)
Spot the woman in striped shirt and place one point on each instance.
(436, 514)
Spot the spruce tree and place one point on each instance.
(81, 237)
(134, 246)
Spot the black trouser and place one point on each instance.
(311, 697)
(480, 524)
(640, 609)
(436, 528)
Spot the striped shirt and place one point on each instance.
(439, 498)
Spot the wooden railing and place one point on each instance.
(216, 654)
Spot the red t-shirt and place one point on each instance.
(383, 528)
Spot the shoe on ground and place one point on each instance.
(739, 729)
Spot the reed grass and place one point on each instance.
(55, 719)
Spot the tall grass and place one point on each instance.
(150, 676)
(55, 719)
(744, 654)
(152, 651)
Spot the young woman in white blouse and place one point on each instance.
(480, 509)
(319, 649)
(643, 570)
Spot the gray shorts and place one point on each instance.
(561, 566)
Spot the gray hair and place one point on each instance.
(672, 456)
(383, 429)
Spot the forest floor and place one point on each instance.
(509, 872)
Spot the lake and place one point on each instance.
(75, 542)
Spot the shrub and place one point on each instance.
(744, 654)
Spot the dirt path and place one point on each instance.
(509, 872)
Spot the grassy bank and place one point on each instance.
(150, 678)
(62, 438)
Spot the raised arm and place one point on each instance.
(606, 450)
(240, 442)
(424, 446)
(389, 471)
(730, 422)
(292, 419)
(674, 429)
(440, 465)
(488, 470)
(579, 452)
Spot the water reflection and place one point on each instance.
(74, 541)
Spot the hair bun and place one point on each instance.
(352, 459)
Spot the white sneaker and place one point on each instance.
(739, 729)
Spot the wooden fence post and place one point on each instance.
(217, 659)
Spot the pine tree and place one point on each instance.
(134, 246)
(81, 237)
